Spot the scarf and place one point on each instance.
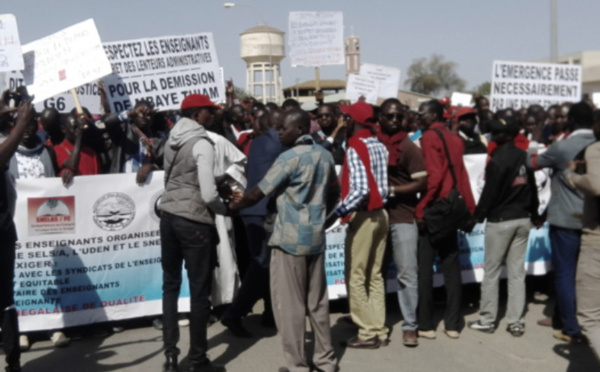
(375, 199)
(392, 143)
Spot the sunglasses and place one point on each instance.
(391, 117)
(320, 116)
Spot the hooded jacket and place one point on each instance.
(190, 189)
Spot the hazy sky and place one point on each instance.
(392, 32)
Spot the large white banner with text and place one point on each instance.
(163, 71)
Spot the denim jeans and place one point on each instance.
(194, 243)
(565, 245)
(404, 238)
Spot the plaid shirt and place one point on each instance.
(359, 185)
(302, 177)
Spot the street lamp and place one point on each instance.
(261, 23)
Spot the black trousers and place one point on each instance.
(8, 312)
(447, 249)
(255, 284)
(194, 243)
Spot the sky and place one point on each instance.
(392, 32)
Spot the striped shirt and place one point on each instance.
(359, 184)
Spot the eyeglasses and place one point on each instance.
(321, 116)
(391, 117)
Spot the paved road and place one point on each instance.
(139, 349)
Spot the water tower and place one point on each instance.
(262, 47)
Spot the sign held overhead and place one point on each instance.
(64, 60)
(522, 84)
(316, 38)
(11, 57)
(163, 71)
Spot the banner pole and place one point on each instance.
(317, 79)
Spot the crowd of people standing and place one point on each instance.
(273, 169)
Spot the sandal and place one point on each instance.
(516, 329)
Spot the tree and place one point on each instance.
(483, 89)
(434, 76)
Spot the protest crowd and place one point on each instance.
(256, 186)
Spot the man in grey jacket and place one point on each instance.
(187, 229)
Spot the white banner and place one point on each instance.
(362, 86)
(88, 253)
(64, 60)
(163, 71)
(388, 77)
(522, 84)
(88, 94)
(11, 57)
(316, 38)
(461, 99)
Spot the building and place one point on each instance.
(590, 68)
(263, 48)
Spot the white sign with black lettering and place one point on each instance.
(316, 38)
(522, 84)
(361, 86)
(11, 57)
(163, 71)
(88, 94)
(388, 77)
(64, 60)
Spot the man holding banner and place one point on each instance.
(8, 310)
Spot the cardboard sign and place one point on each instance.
(596, 99)
(522, 84)
(11, 57)
(358, 86)
(461, 99)
(64, 60)
(88, 94)
(388, 77)
(316, 38)
(163, 71)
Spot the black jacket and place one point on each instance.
(510, 191)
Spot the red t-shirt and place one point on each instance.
(88, 161)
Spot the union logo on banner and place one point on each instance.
(51, 215)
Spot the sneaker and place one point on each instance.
(477, 325)
(24, 343)
(59, 339)
(452, 334)
(183, 322)
(516, 329)
(157, 324)
(430, 335)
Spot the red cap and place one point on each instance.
(463, 111)
(197, 100)
(360, 112)
(444, 101)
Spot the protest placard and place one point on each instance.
(522, 84)
(461, 99)
(596, 99)
(163, 71)
(358, 86)
(67, 59)
(89, 95)
(11, 57)
(316, 38)
(388, 77)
